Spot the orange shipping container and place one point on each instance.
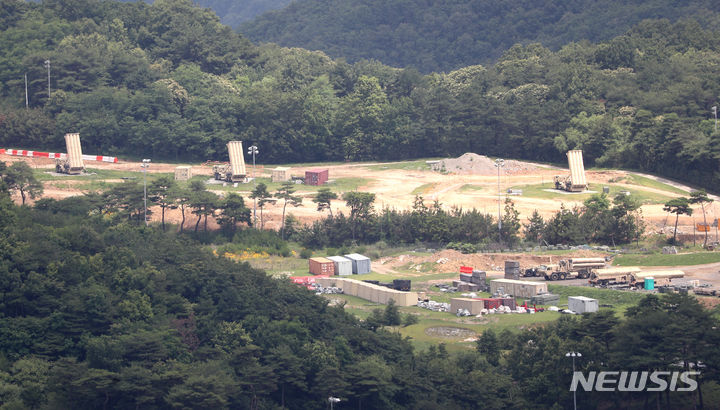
(321, 266)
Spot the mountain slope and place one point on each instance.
(440, 35)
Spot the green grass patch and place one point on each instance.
(616, 298)
(424, 189)
(651, 183)
(659, 259)
(470, 188)
(339, 185)
(499, 322)
(418, 165)
(541, 191)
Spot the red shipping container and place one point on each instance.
(491, 303)
(321, 266)
(316, 176)
(466, 269)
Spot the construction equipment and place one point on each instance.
(235, 170)
(575, 182)
(572, 268)
(72, 164)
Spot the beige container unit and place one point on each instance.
(577, 171)
(237, 161)
(368, 291)
(74, 153)
(183, 173)
(474, 306)
(280, 174)
(518, 288)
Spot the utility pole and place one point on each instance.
(47, 65)
(714, 108)
(499, 163)
(253, 150)
(26, 93)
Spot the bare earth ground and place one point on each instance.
(471, 181)
(472, 184)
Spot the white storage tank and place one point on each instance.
(343, 266)
(581, 304)
(360, 263)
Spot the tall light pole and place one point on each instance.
(714, 108)
(499, 163)
(574, 355)
(145, 165)
(47, 65)
(253, 150)
(332, 401)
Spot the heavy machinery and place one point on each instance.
(72, 164)
(575, 182)
(614, 276)
(572, 268)
(235, 170)
(632, 276)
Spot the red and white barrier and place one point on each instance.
(55, 155)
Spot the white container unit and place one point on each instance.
(360, 263)
(581, 304)
(343, 266)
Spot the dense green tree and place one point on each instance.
(678, 206)
(263, 197)
(701, 197)
(324, 198)
(19, 177)
(233, 211)
(285, 193)
(161, 193)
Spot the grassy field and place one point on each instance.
(541, 191)
(651, 183)
(424, 188)
(616, 298)
(658, 259)
(339, 185)
(418, 165)
(470, 188)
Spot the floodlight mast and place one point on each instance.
(253, 150)
(499, 163)
(574, 355)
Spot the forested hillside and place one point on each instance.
(169, 82)
(235, 12)
(444, 35)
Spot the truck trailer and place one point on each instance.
(572, 268)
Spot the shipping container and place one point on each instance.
(517, 288)
(474, 306)
(316, 176)
(491, 303)
(183, 173)
(343, 266)
(321, 266)
(280, 174)
(581, 304)
(360, 263)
